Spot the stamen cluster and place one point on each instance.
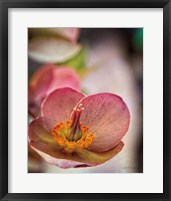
(73, 134)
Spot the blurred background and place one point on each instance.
(106, 60)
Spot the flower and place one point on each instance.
(75, 130)
(46, 79)
(52, 50)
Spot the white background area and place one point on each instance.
(151, 180)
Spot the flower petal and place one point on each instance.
(40, 83)
(83, 158)
(97, 158)
(46, 79)
(39, 133)
(62, 163)
(108, 118)
(32, 155)
(58, 105)
(68, 33)
(52, 50)
(64, 77)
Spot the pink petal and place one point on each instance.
(58, 105)
(108, 118)
(62, 163)
(46, 79)
(52, 50)
(32, 155)
(82, 158)
(40, 82)
(39, 133)
(69, 33)
(96, 158)
(64, 77)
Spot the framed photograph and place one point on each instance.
(85, 105)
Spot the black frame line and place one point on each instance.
(4, 5)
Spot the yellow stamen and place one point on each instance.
(61, 130)
(85, 129)
(71, 144)
(69, 122)
(88, 140)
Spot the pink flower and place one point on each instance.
(46, 79)
(75, 130)
(71, 34)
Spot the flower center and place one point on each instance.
(73, 134)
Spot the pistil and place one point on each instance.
(76, 132)
(73, 135)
